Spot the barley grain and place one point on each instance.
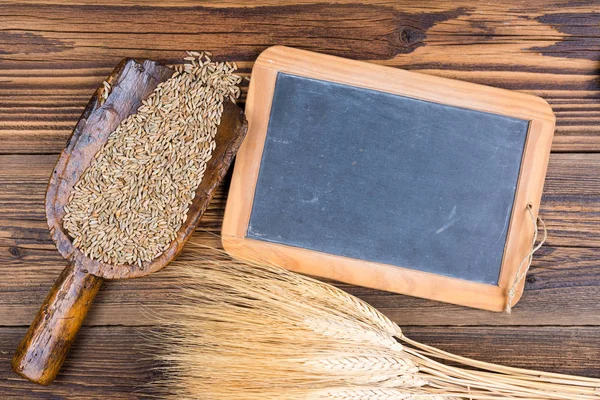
(147, 173)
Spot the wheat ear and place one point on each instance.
(256, 331)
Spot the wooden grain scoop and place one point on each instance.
(44, 348)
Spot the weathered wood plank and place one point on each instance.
(54, 56)
(563, 288)
(570, 206)
(567, 350)
(103, 363)
(122, 369)
(44, 127)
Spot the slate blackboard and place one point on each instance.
(386, 178)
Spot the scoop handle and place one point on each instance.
(44, 348)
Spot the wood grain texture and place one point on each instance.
(93, 371)
(561, 289)
(539, 48)
(561, 349)
(54, 54)
(570, 203)
(45, 346)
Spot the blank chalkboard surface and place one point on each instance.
(387, 178)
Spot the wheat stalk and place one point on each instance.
(372, 394)
(364, 363)
(257, 331)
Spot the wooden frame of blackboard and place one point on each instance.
(410, 84)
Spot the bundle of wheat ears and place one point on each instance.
(257, 331)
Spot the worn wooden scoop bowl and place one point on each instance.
(44, 348)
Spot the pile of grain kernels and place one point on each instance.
(129, 204)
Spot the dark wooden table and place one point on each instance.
(53, 56)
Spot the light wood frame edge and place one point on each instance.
(381, 276)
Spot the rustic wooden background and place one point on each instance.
(54, 54)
